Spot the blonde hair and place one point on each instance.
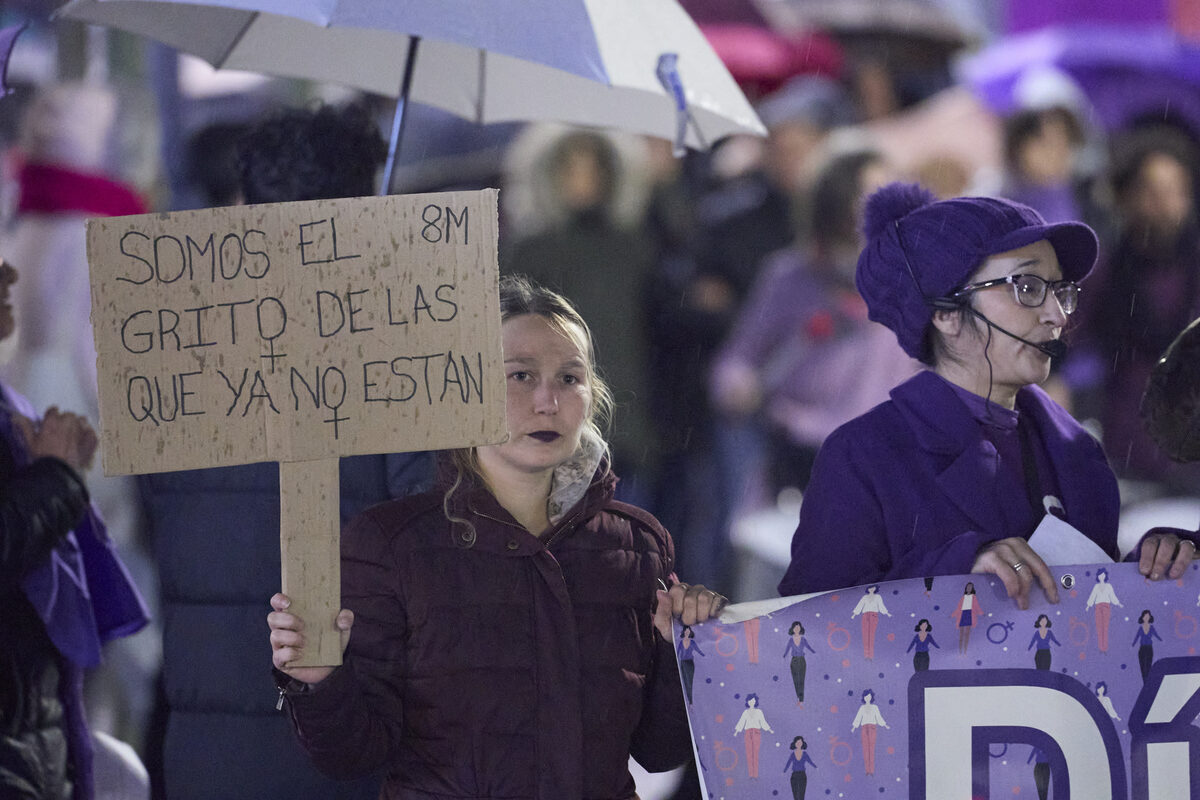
(520, 296)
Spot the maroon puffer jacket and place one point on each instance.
(516, 667)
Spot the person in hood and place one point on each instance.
(509, 633)
(969, 458)
(64, 593)
(803, 358)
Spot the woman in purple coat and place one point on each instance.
(955, 472)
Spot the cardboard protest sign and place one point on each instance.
(297, 333)
(943, 689)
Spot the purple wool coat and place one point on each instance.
(907, 490)
(514, 667)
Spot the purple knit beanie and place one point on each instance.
(945, 241)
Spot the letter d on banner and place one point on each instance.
(1165, 757)
(954, 715)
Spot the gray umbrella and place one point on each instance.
(634, 65)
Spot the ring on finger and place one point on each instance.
(1018, 566)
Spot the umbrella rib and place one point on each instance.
(238, 39)
(695, 123)
(482, 84)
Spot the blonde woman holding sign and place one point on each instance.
(511, 629)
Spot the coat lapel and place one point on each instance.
(945, 429)
(969, 482)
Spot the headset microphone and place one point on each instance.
(1054, 348)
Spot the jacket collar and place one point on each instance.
(473, 497)
(938, 419)
(943, 425)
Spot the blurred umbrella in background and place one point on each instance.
(760, 55)
(723, 12)
(761, 59)
(928, 21)
(8, 38)
(636, 65)
(1134, 61)
(899, 51)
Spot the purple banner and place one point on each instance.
(942, 688)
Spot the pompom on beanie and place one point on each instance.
(920, 249)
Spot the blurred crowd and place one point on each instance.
(719, 286)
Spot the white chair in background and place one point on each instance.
(1139, 517)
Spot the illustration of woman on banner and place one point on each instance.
(1043, 637)
(1102, 598)
(870, 606)
(750, 628)
(685, 652)
(1105, 700)
(796, 762)
(1041, 771)
(753, 722)
(869, 719)
(1144, 639)
(966, 614)
(922, 642)
(796, 646)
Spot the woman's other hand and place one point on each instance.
(1015, 563)
(67, 437)
(691, 603)
(287, 639)
(1165, 552)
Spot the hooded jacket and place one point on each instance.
(41, 503)
(64, 592)
(486, 662)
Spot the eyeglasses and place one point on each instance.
(1030, 290)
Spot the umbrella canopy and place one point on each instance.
(8, 38)
(724, 12)
(1130, 60)
(927, 21)
(761, 60)
(586, 62)
(1125, 72)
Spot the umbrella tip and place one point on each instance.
(668, 76)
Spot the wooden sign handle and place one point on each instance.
(309, 544)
